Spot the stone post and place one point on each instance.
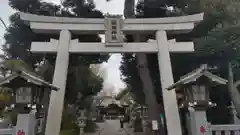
(26, 124)
(236, 120)
(197, 122)
(60, 76)
(169, 97)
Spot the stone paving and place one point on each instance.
(112, 127)
(130, 131)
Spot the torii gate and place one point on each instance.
(113, 27)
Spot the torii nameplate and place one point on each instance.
(113, 34)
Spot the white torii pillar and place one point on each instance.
(169, 97)
(166, 76)
(55, 110)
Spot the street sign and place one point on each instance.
(162, 119)
(154, 125)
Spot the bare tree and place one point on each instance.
(3, 23)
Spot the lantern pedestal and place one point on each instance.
(26, 124)
(197, 122)
(236, 120)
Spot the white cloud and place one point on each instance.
(113, 73)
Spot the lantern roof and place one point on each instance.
(28, 77)
(195, 75)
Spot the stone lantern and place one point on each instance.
(82, 121)
(29, 88)
(30, 91)
(194, 88)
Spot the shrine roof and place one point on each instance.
(195, 75)
(29, 77)
(108, 101)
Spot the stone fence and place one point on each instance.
(228, 129)
(7, 131)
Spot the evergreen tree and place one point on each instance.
(208, 35)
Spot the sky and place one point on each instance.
(112, 66)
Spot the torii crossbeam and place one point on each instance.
(114, 28)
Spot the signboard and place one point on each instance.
(113, 34)
(39, 125)
(154, 125)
